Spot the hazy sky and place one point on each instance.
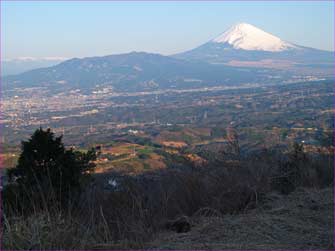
(78, 29)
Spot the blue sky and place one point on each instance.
(79, 29)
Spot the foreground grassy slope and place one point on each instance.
(301, 220)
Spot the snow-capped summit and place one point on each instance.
(248, 37)
(246, 43)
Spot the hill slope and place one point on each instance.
(302, 220)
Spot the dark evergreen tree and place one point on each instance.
(48, 171)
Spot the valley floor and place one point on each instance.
(301, 220)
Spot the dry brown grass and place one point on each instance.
(301, 220)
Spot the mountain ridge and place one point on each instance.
(135, 71)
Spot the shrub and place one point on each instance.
(305, 170)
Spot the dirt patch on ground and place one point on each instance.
(196, 159)
(174, 144)
(155, 161)
(121, 148)
(301, 220)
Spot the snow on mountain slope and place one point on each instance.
(248, 37)
(245, 42)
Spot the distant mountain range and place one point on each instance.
(136, 71)
(243, 54)
(20, 65)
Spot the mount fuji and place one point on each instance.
(248, 37)
(246, 43)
